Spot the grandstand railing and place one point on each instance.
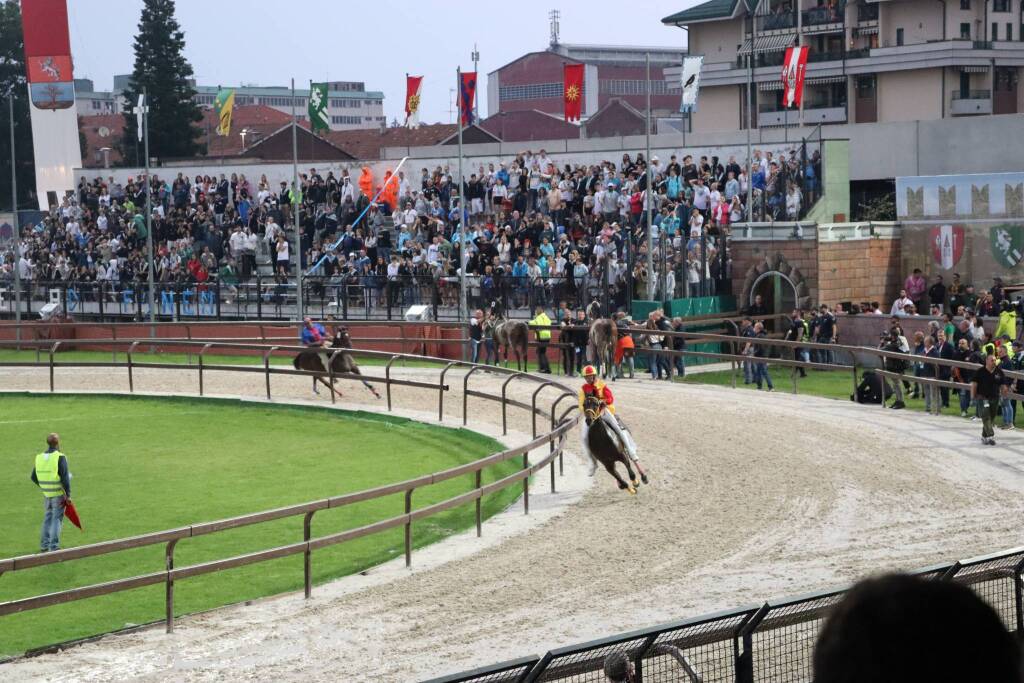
(552, 437)
(771, 642)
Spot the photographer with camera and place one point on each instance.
(895, 342)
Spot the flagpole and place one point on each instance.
(799, 44)
(17, 228)
(462, 208)
(149, 212)
(650, 182)
(296, 204)
(750, 113)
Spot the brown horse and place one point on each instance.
(341, 363)
(601, 346)
(514, 335)
(605, 446)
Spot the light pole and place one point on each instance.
(17, 229)
(141, 112)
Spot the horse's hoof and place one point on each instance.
(635, 482)
(632, 491)
(623, 487)
(643, 478)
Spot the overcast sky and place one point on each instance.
(264, 42)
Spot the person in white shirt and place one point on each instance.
(410, 216)
(237, 243)
(899, 306)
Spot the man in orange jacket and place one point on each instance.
(592, 386)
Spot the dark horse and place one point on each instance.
(313, 360)
(604, 445)
(514, 335)
(602, 339)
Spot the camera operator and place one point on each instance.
(895, 342)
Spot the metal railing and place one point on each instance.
(867, 12)
(770, 642)
(553, 439)
(971, 94)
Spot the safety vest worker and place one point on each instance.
(53, 476)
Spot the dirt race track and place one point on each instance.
(753, 497)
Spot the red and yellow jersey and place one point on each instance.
(601, 390)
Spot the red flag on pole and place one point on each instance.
(572, 89)
(467, 94)
(71, 512)
(793, 69)
(412, 100)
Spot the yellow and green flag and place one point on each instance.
(223, 104)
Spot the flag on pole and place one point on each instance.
(793, 69)
(467, 93)
(318, 106)
(139, 109)
(223, 104)
(572, 90)
(690, 82)
(412, 100)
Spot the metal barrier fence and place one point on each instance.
(771, 642)
(553, 438)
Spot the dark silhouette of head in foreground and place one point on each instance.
(903, 629)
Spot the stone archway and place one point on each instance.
(776, 268)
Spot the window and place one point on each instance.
(95, 104)
(346, 120)
(1009, 31)
(899, 36)
(965, 85)
(533, 91)
(995, 31)
(965, 4)
(965, 30)
(1000, 5)
(617, 86)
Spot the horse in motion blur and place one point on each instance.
(605, 446)
(316, 360)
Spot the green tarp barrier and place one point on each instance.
(687, 308)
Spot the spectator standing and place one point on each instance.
(826, 333)
(915, 286)
(946, 352)
(52, 475)
(759, 353)
(937, 294)
(899, 306)
(541, 324)
(986, 386)
(476, 334)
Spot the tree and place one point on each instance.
(161, 67)
(13, 79)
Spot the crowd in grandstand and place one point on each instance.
(535, 230)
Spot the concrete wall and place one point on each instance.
(716, 40)
(921, 21)
(835, 205)
(718, 109)
(910, 95)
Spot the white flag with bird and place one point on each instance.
(690, 81)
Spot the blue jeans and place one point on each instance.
(1006, 405)
(52, 520)
(475, 348)
(965, 400)
(748, 372)
(680, 366)
(761, 374)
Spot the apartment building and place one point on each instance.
(879, 61)
(350, 105)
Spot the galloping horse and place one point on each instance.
(605, 446)
(342, 363)
(514, 334)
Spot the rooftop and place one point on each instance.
(713, 9)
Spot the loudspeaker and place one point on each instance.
(417, 314)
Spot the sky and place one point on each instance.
(268, 42)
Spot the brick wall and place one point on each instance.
(859, 270)
(800, 264)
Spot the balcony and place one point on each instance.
(971, 102)
(775, 22)
(824, 19)
(867, 13)
(768, 116)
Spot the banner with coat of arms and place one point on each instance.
(1007, 243)
(947, 245)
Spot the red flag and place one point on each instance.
(467, 94)
(793, 69)
(572, 89)
(71, 512)
(412, 100)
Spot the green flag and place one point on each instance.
(318, 106)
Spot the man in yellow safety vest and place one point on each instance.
(52, 475)
(541, 322)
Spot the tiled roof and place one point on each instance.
(261, 121)
(713, 9)
(368, 143)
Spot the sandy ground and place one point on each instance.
(753, 497)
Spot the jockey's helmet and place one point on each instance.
(590, 371)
